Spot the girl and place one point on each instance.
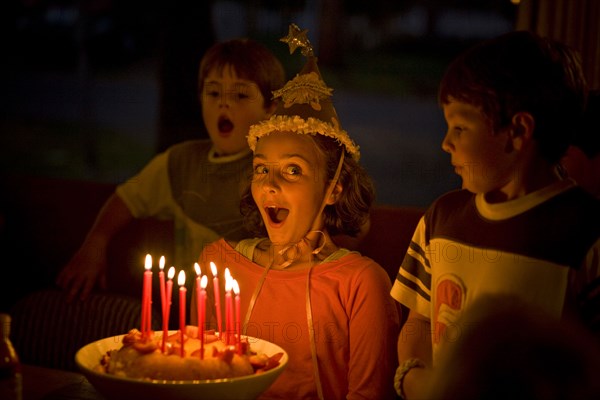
(328, 307)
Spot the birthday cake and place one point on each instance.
(142, 357)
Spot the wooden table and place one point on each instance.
(55, 384)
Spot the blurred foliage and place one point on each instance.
(115, 36)
(70, 150)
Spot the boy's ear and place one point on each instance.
(522, 127)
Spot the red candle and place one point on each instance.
(217, 293)
(203, 284)
(238, 324)
(147, 296)
(182, 300)
(198, 307)
(168, 295)
(228, 308)
(163, 299)
(149, 301)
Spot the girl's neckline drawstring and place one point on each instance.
(309, 320)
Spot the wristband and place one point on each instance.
(401, 374)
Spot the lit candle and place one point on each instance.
(228, 307)
(198, 306)
(238, 329)
(149, 301)
(217, 293)
(163, 298)
(168, 296)
(182, 300)
(203, 284)
(147, 296)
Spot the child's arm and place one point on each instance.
(414, 343)
(88, 265)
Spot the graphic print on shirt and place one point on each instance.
(449, 302)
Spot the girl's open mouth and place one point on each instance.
(276, 214)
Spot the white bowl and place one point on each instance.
(116, 387)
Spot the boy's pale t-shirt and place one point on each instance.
(543, 248)
(199, 191)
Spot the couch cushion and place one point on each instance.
(48, 331)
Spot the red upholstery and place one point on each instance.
(45, 221)
(389, 236)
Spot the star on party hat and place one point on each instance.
(305, 105)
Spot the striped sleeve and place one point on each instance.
(412, 286)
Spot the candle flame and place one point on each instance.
(213, 268)
(204, 281)
(148, 264)
(227, 274)
(228, 280)
(181, 278)
(197, 268)
(171, 273)
(161, 263)
(236, 287)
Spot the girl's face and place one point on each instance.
(481, 158)
(229, 106)
(288, 185)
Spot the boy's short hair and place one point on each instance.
(250, 59)
(522, 72)
(587, 137)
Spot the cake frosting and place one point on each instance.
(142, 357)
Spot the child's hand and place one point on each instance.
(87, 267)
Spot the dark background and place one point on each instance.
(93, 89)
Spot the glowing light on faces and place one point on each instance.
(288, 184)
(478, 154)
(230, 105)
